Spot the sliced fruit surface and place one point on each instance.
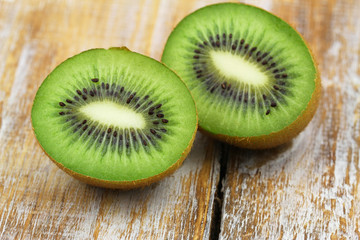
(250, 73)
(114, 115)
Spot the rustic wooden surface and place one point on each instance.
(39, 201)
(307, 189)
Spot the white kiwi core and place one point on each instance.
(238, 68)
(114, 114)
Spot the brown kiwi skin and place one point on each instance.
(285, 135)
(128, 185)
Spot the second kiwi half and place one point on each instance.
(252, 76)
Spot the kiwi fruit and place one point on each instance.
(114, 118)
(251, 74)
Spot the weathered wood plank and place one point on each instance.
(308, 189)
(37, 200)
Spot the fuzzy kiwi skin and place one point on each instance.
(275, 139)
(127, 185)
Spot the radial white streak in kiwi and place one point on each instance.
(237, 68)
(109, 113)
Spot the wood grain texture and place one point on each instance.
(39, 201)
(309, 188)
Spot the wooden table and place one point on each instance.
(307, 189)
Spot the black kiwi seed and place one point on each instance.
(95, 80)
(253, 100)
(79, 92)
(133, 136)
(151, 110)
(164, 120)
(129, 99)
(62, 104)
(267, 112)
(68, 101)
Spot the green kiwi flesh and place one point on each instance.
(114, 116)
(250, 73)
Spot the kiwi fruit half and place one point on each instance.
(252, 76)
(114, 118)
